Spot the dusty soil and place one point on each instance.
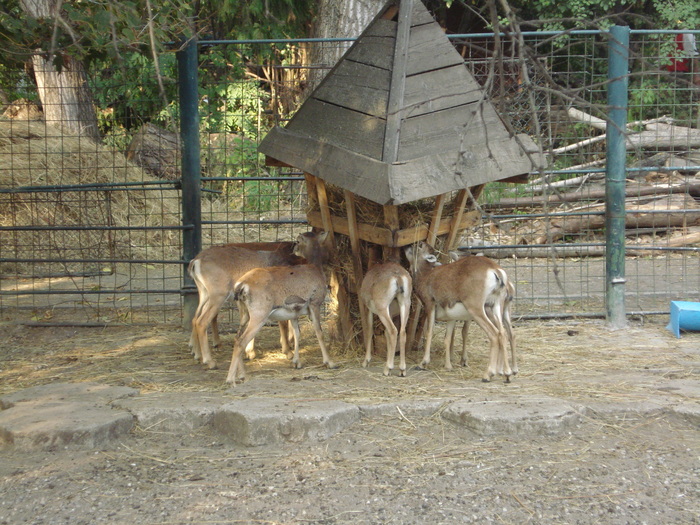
(642, 467)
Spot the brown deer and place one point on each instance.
(215, 270)
(383, 286)
(282, 294)
(459, 291)
(455, 255)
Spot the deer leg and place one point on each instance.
(449, 341)
(404, 307)
(495, 335)
(465, 338)
(199, 326)
(295, 327)
(285, 339)
(430, 322)
(368, 334)
(237, 369)
(511, 338)
(215, 338)
(193, 343)
(315, 314)
(243, 319)
(391, 333)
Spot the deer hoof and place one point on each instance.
(331, 365)
(402, 372)
(365, 363)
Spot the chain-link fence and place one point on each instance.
(92, 232)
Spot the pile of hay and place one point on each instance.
(36, 155)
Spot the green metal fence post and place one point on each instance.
(187, 61)
(618, 70)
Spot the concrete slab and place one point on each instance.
(689, 411)
(408, 409)
(67, 392)
(172, 412)
(63, 415)
(537, 415)
(261, 421)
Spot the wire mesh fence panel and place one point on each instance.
(550, 232)
(91, 228)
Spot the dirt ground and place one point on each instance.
(639, 465)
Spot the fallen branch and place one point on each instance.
(661, 213)
(691, 188)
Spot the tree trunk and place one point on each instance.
(336, 19)
(65, 96)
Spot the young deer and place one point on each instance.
(455, 255)
(215, 270)
(282, 294)
(459, 291)
(383, 286)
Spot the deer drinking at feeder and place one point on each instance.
(283, 294)
(460, 291)
(386, 285)
(215, 270)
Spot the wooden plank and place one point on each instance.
(395, 106)
(437, 90)
(385, 237)
(357, 132)
(429, 49)
(391, 220)
(311, 192)
(356, 257)
(428, 176)
(459, 202)
(373, 234)
(339, 293)
(322, 199)
(435, 220)
(360, 174)
(450, 130)
(375, 46)
(421, 15)
(358, 87)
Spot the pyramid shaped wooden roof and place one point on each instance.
(400, 118)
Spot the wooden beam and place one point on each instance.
(455, 228)
(391, 220)
(435, 221)
(356, 258)
(385, 237)
(316, 189)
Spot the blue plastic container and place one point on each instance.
(685, 315)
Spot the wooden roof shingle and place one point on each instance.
(400, 118)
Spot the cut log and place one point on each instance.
(660, 213)
(157, 150)
(633, 190)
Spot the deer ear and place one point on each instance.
(408, 250)
(321, 237)
(430, 258)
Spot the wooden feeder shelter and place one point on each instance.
(398, 120)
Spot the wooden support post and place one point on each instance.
(356, 258)
(316, 189)
(391, 220)
(435, 220)
(459, 202)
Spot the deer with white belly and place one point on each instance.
(460, 291)
(283, 294)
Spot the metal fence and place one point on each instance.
(93, 233)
